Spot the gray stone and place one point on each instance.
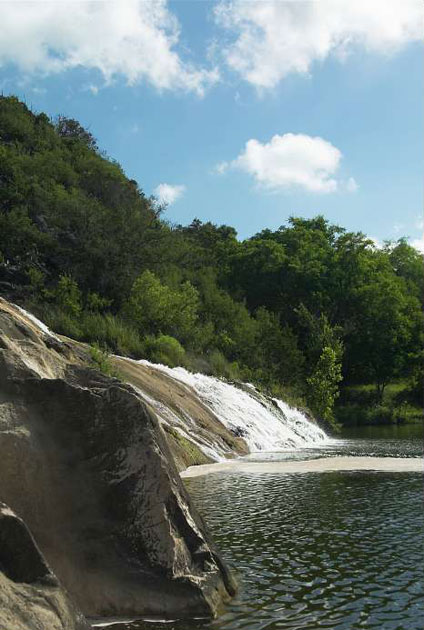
(85, 463)
(31, 597)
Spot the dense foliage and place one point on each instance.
(298, 310)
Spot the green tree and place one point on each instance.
(388, 328)
(156, 308)
(324, 385)
(68, 296)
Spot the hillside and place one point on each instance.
(302, 312)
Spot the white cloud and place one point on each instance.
(418, 243)
(291, 160)
(352, 185)
(221, 168)
(271, 39)
(166, 194)
(135, 39)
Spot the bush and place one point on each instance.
(68, 296)
(101, 361)
(165, 349)
(110, 331)
(61, 322)
(154, 307)
(324, 385)
(36, 281)
(221, 367)
(96, 303)
(107, 331)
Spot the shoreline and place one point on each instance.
(322, 464)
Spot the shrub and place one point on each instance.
(101, 361)
(154, 307)
(68, 296)
(112, 332)
(61, 322)
(221, 367)
(165, 349)
(96, 303)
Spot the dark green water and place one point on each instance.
(339, 550)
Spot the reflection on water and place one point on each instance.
(341, 551)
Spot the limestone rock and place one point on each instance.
(85, 463)
(31, 597)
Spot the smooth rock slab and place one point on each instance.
(84, 461)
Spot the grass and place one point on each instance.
(190, 453)
(105, 330)
(101, 361)
(359, 405)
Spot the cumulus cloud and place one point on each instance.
(134, 39)
(166, 194)
(270, 39)
(291, 160)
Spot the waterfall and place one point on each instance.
(38, 323)
(266, 424)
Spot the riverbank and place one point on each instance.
(325, 464)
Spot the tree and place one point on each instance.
(388, 328)
(324, 385)
(71, 129)
(156, 308)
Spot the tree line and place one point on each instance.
(305, 311)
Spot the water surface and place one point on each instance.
(369, 441)
(339, 550)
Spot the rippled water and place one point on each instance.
(339, 550)
(332, 550)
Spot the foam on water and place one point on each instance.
(265, 424)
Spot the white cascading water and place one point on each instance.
(37, 322)
(265, 424)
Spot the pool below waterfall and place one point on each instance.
(337, 550)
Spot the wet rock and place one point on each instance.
(85, 463)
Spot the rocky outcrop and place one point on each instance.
(85, 463)
(31, 597)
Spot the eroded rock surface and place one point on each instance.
(31, 597)
(84, 462)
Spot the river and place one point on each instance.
(338, 550)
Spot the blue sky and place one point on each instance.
(241, 113)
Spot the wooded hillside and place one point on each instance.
(300, 311)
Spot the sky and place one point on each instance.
(239, 112)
